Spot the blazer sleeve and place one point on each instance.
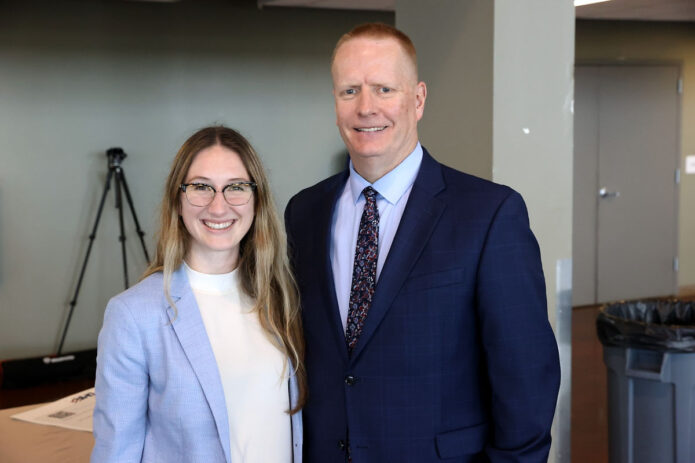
(121, 388)
(519, 345)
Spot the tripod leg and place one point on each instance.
(92, 236)
(121, 238)
(141, 234)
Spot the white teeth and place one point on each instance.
(218, 226)
(371, 129)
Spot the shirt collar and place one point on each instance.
(392, 185)
(222, 283)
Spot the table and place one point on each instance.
(22, 442)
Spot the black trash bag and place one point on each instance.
(664, 325)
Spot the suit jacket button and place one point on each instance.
(341, 444)
(350, 380)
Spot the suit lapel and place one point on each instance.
(324, 220)
(419, 219)
(190, 331)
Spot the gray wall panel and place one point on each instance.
(78, 77)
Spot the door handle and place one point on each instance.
(604, 193)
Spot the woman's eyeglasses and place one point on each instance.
(202, 194)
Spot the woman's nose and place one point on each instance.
(218, 204)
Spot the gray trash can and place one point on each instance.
(649, 352)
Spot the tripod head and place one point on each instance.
(116, 156)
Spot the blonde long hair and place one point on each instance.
(264, 268)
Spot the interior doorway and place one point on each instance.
(626, 131)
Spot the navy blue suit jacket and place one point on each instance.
(457, 360)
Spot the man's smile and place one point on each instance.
(371, 129)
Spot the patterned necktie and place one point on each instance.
(364, 270)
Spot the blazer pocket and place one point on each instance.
(423, 282)
(459, 442)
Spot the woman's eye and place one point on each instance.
(200, 187)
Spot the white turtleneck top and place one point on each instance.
(251, 369)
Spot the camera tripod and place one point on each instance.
(115, 157)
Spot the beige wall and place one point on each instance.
(626, 41)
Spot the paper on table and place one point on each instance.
(71, 412)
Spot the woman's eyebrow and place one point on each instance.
(201, 179)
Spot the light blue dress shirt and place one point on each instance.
(394, 190)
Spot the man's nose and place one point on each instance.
(365, 104)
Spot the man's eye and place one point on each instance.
(349, 91)
(384, 90)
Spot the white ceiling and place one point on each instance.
(644, 10)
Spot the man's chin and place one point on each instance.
(365, 152)
(364, 157)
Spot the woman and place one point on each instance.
(202, 361)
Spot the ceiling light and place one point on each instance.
(587, 2)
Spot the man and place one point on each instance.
(422, 290)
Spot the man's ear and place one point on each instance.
(420, 97)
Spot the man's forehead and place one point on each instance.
(371, 48)
(368, 44)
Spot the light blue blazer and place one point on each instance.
(159, 396)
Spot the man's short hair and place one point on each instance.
(379, 31)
